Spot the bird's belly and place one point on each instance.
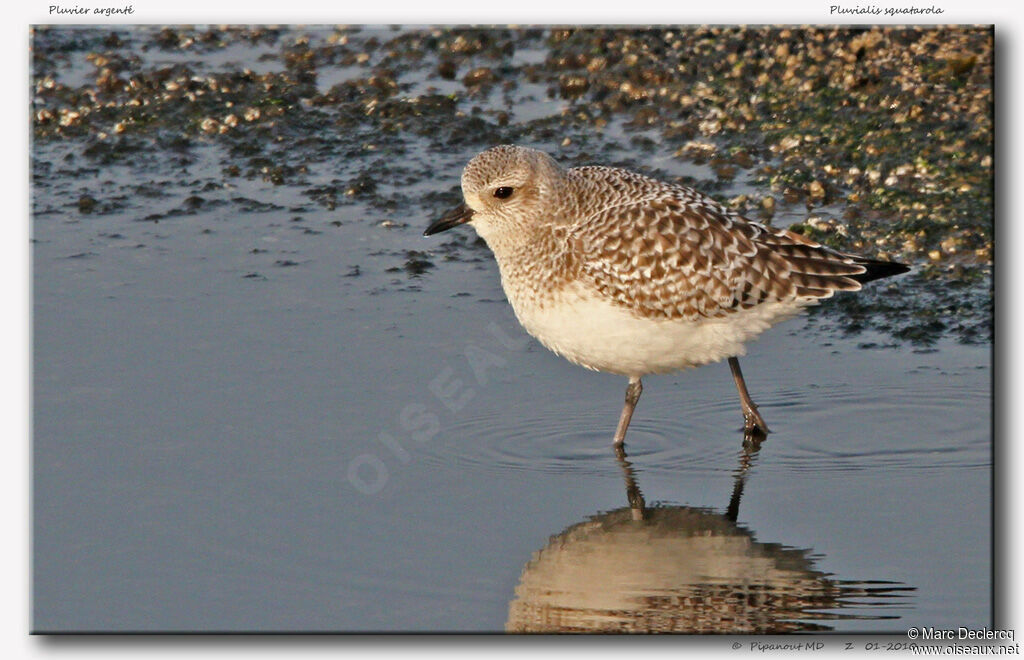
(594, 333)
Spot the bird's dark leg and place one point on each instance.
(753, 423)
(633, 391)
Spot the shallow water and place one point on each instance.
(248, 417)
(195, 431)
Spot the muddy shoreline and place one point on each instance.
(873, 140)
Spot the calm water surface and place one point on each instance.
(269, 422)
(196, 431)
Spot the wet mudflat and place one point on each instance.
(262, 401)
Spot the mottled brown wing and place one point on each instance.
(685, 257)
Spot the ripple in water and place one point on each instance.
(559, 441)
(939, 425)
(817, 428)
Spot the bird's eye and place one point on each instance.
(503, 193)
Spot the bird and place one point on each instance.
(622, 273)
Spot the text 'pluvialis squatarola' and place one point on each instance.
(625, 274)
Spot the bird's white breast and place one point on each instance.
(588, 329)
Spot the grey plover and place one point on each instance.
(625, 274)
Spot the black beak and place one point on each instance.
(459, 215)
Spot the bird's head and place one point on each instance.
(506, 189)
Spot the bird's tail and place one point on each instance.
(876, 269)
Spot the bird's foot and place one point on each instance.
(754, 424)
(752, 438)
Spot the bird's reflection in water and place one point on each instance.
(687, 570)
